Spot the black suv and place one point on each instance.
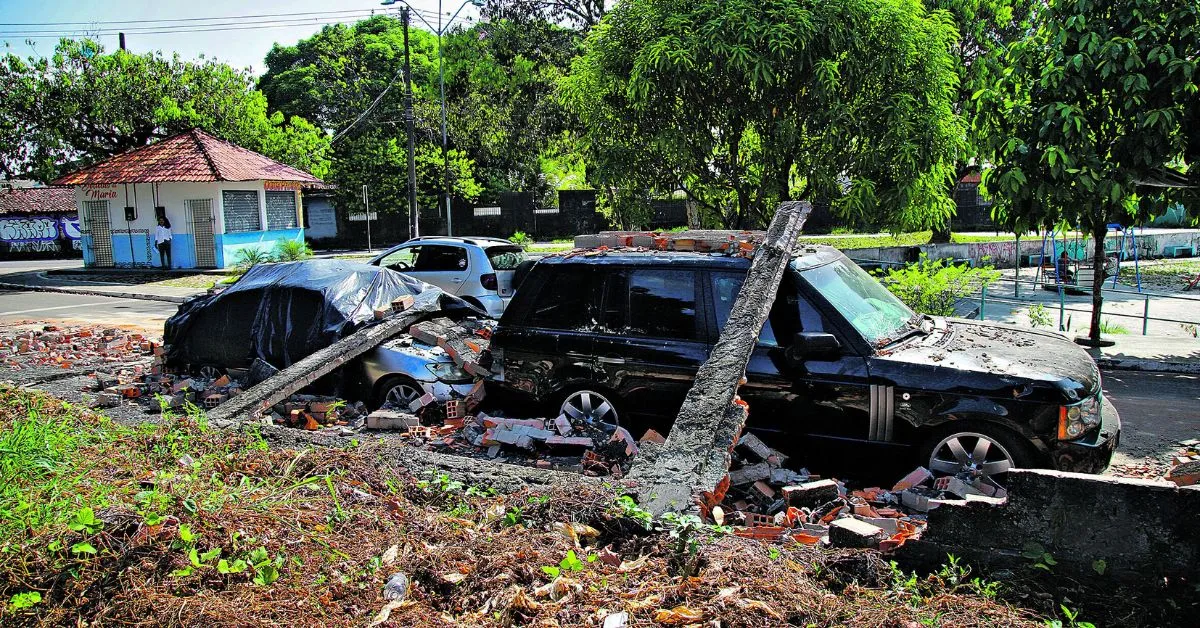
(619, 336)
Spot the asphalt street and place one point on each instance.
(80, 309)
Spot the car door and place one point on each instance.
(818, 398)
(545, 343)
(651, 339)
(443, 265)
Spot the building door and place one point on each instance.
(200, 215)
(96, 227)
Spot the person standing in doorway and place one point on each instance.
(162, 238)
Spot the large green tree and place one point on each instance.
(1099, 101)
(83, 105)
(743, 103)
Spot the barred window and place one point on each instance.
(281, 210)
(241, 211)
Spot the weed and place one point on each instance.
(292, 251)
(684, 531)
(521, 239)
(1039, 556)
(1191, 329)
(1039, 316)
(513, 517)
(1112, 329)
(568, 564)
(20, 601)
(630, 510)
(248, 257)
(1072, 620)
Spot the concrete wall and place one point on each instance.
(39, 233)
(133, 240)
(1004, 254)
(1142, 530)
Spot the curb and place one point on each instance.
(1149, 366)
(98, 293)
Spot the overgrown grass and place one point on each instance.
(179, 524)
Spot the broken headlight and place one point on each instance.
(448, 372)
(1078, 419)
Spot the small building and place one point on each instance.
(218, 197)
(38, 221)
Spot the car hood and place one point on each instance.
(1015, 362)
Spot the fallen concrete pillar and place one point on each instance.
(252, 403)
(691, 470)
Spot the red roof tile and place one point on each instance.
(973, 177)
(37, 201)
(190, 156)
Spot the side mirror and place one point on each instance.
(813, 345)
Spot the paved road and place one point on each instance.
(78, 309)
(1157, 410)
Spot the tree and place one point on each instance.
(349, 81)
(581, 14)
(82, 105)
(1095, 103)
(742, 104)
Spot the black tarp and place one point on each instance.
(280, 313)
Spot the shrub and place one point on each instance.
(521, 239)
(934, 286)
(250, 256)
(1039, 317)
(292, 250)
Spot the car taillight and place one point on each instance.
(489, 281)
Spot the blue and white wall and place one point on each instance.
(133, 240)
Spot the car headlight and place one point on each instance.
(1078, 419)
(448, 372)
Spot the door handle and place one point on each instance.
(456, 280)
(608, 360)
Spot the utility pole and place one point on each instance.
(445, 151)
(367, 205)
(414, 218)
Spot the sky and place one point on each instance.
(236, 32)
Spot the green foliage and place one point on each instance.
(1112, 329)
(21, 601)
(629, 509)
(934, 286)
(292, 250)
(521, 239)
(1038, 555)
(744, 103)
(1039, 316)
(568, 564)
(51, 119)
(249, 256)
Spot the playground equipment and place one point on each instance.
(1055, 273)
(1117, 254)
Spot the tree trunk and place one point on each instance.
(1098, 259)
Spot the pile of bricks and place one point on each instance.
(314, 412)
(1185, 467)
(766, 500)
(466, 342)
(73, 347)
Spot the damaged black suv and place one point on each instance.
(841, 365)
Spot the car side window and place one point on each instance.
(725, 287)
(662, 304)
(564, 301)
(441, 258)
(401, 259)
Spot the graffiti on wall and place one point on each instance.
(38, 234)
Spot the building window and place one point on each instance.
(281, 210)
(241, 211)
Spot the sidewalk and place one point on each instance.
(133, 284)
(1149, 353)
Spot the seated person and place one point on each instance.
(1063, 269)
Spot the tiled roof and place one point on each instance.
(190, 156)
(37, 201)
(973, 177)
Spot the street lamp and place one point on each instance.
(442, 89)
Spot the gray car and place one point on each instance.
(401, 370)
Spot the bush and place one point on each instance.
(934, 286)
(292, 251)
(521, 239)
(250, 256)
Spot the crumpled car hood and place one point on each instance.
(1003, 356)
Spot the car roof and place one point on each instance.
(481, 241)
(804, 257)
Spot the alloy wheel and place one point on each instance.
(402, 395)
(210, 372)
(972, 453)
(591, 406)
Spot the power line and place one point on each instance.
(192, 28)
(185, 19)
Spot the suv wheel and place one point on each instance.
(976, 451)
(400, 391)
(589, 405)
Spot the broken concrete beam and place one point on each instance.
(811, 494)
(851, 532)
(750, 474)
(695, 459)
(248, 406)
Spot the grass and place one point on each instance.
(176, 523)
(848, 242)
(1112, 329)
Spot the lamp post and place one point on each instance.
(440, 30)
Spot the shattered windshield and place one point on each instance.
(874, 311)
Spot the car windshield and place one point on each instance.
(505, 257)
(874, 311)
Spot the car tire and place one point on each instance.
(589, 403)
(406, 389)
(956, 448)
